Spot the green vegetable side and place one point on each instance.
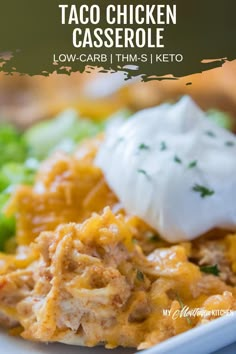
(21, 153)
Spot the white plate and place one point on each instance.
(201, 340)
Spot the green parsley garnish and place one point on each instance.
(163, 146)
(144, 173)
(229, 143)
(119, 140)
(204, 192)
(192, 164)
(154, 238)
(140, 275)
(177, 159)
(143, 147)
(210, 270)
(182, 306)
(210, 133)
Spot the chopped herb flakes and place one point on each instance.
(143, 147)
(192, 164)
(210, 133)
(179, 300)
(204, 192)
(144, 173)
(119, 140)
(163, 146)
(177, 159)
(182, 307)
(140, 275)
(210, 269)
(229, 143)
(154, 238)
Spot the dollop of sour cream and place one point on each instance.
(174, 168)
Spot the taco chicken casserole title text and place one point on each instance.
(123, 26)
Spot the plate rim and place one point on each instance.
(225, 325)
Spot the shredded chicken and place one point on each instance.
(88, 278)
(92, 284)
(215, 252)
